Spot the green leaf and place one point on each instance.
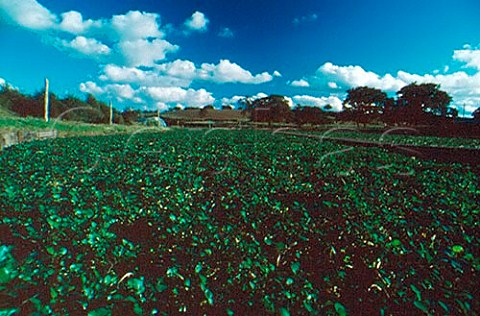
(267, 241)
(8, 312)
(4, 253)
(340, 309)
(50, 250)
(203, 280)
(53, 293)
(5, 275)
(208, 251)
(209, 296)
(268, 304)
(280, 246)
(417, 292)
(109, 280)
(421, 306)
(396, 243)
(295, 266)
(161, 286)
(172, 271)
(198, 267)
(308, 306)
(443, 305)
(284, 312)
(457, 249)
(137, 285)
(100, 312)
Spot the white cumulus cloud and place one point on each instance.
(143, 77)
(232, 101)
(178, 68)
(2, 82)
(91, 87)
(226, 71)
(143, 52)
(137, 25)
(355, 76)
(300, 83)
(122, 74)
(471, 57)
(236, 98)
(29, 14)
(87, 46)
(321, 102)
(73, 22)
(177, 74)
(136, 37)
(332, 85)
(175, 95)
(290, 102)
(121, 91)
(197, 22)
(162, 106)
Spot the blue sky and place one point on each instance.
(158, 54)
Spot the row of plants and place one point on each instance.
(236, 223)
(394, 136)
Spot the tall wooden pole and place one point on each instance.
(46, 110)
(111, 112)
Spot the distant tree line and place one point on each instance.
(71, 108)
(415, 104)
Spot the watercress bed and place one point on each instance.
(236, 223)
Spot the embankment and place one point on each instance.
(8, 139)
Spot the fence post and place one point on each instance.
(111, 113)
(46, 111)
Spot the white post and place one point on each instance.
(111, 112)
(46, 110)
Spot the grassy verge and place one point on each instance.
(64, 128)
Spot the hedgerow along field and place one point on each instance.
(234, 223)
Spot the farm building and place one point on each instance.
(207, 117)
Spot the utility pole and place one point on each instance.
(111, 113)
(46, 109)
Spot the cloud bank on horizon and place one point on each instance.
(462, 85)
(137, 66)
